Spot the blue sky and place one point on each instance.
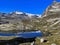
(29, 6)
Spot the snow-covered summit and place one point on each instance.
(17, 12)
(28, 14)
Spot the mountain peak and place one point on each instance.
(17, 12)
(53, 8)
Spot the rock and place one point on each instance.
(53, 44)
(43, 40)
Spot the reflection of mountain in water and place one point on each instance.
(16, 41)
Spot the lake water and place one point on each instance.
(24, 34)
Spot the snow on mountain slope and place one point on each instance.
(18, 12)
(26, 14)
(18, 15)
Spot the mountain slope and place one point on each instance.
(17, 21)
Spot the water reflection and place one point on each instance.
(16, 41)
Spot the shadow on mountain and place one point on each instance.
(16, 41)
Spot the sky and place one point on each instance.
(28, 6)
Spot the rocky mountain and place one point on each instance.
(52, 16)
(53, 8)
(17, 14)
(17, 21)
